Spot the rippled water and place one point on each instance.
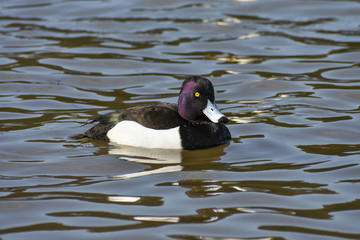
(286, 73)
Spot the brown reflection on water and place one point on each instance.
(333, 149)
(208, 188)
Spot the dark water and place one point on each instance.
(286, 73)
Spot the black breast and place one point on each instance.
(203, 135)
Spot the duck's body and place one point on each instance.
(166, 125)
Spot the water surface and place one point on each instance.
(286, 73)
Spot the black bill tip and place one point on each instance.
(223, 119)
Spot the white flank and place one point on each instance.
(134, 134)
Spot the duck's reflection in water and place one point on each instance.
(147, 155)
(165, 160)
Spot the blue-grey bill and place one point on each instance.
(212, 112)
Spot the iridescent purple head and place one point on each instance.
(197, 101)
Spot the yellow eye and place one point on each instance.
(197, 94)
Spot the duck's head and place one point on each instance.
(197, 101)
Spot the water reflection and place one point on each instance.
(166, 160)
(147, 155)
(158, 170)
(332, 149)
(208, 188)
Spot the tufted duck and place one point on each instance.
(195, 122)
